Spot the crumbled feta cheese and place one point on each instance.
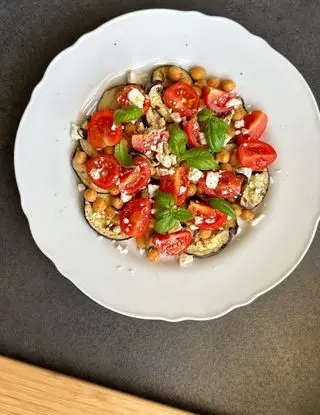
(142, 251)
(167, 160)
(122, 249)
(95, 173)
(255, 221)
(165, 172)
(175, 116)
(182, 190)
(244, 130)
(202, 138)
(153, 211)
(81, 187)
(212, 179)
(239, 124)
(195, 175)
(152, 188)
(185, 259)
(210, 220)
(100, 237)
(198, 220)
(234, 102)
(153, 148)
(119, 267)
(126, 221)
(193, 227)
(132, 271)
(117, 229)
(237, 132)
(246, 171)
(136, 97)
(258, 191)
(125, 197)
(113, 127)
(75, 132)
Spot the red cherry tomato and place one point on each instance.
(103, 170)
(144, 142)
(257, 155)
(135, 217)
(124, 101)
(217, 99)
(101, 131)
(255, 123)
(229, 185)
(206, 217)
(172, 243)
(192, 130)
(135, 178)
(182, 98)
(177, 184)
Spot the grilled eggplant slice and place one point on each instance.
(203, 248)
(98, 222)
(87, 148)
(109, 98)
(81, 171)
(155, 95)
(161, 74)
(255, 190)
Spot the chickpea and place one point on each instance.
(192, 190)
(174, 73)
(140, 243)
(110, 213)
(129, 129)
(99, 205)
(80, 157)
(108, 150)
(223, 156)
(125, 142)
(114, 190)
(153, 171)
(186, 80)
(231, 131)
(234, 159)
(199, 191)
(201, 83)
(228, 85)
(247, 215)
(205, 233)
(198, 90)
(198, 73)
(226, 166)
(214, 82)
(239, 114)
(152, 223)
(231, 200)
(90, 195)
(153, 255)
(116, 202)
(237, 209)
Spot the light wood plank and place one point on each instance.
(29, 390)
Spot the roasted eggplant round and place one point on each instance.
(81, 171)
(255, 189)
(87, 148)
(109, 98)
(161, 74)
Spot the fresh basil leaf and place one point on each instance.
(177, 140)
(215, 133)
(164, 200)
(181, 214)
(204, 114)
(127, 114)
(200, 158)
(122, 155)
(223, 206)
(166, 223)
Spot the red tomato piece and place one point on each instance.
(229, 185)
(217, 100)
(124, 101)
(103, 170)
(177, 184)
(135, 178)
(192, 130)
(182, 98)
(172, 243)
(255, 123)
(206, 217)
(135, 217)
(257, 155)
(144, 142)
(101, 130)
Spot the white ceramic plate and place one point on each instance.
(261, 257)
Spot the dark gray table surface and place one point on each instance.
(261, 359)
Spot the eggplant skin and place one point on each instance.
(214, 245)
(97, 222)
(251, 198)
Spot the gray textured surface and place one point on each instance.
(261, 359)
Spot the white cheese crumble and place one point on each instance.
(95, 173)
(122, 249)
(113, 127)
(182, 190)
(202, 138)
(212, 179)
(131, 271)
(237, 132)
(239, 124)
(125, 197)
(198, 220)
(152, 188)
(246, 171)
(119, 267)
(126, 221)
(185, 259)
(165, 172)
(244, 130)
(234, 102)
(136, 97)
(167, 160)
(258, 219)
(142, 251)
(195, 175)
(75, 132)
(117, 229)
(81, 187)
(175, 116)
(193, 227)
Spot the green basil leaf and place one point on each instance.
(122, 155)
(177, 140)
(181, 214)
(223, 206)
(215, 133)
(166, 223)
(164, 200)
(127, 114)
(204, 114)
(200, 158)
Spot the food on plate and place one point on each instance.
(173, 161)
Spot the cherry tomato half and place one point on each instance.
(177, 184)
(192, 130)
(103, 170)
(124, 101)
(182, 98)
(144, 142)
(217, 100)
(206, 217)
(135, 217)
(255, 123)
(229, 185)
(257, 155)
(101, 130)
(172, 243)
(135, 178)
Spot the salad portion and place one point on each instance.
(172, 161)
